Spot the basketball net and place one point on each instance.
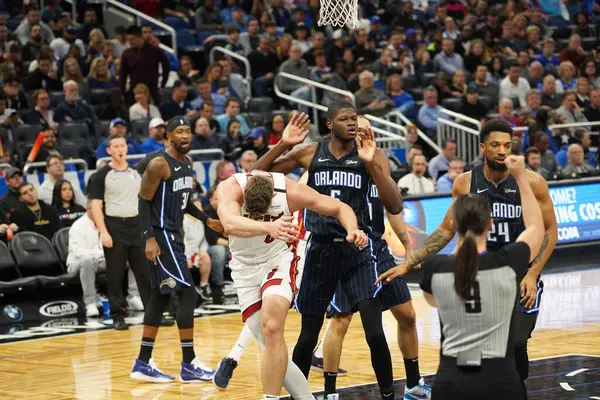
(339, 13)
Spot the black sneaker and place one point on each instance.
(224, 373)
(120, 324)
(204, 294)
(317, 365)
(218, 296)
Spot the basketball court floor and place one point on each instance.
(84, 362)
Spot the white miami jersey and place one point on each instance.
(260, 249)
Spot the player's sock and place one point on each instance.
(411, 365)
(187, 350)
(319, 349)
(146, 349)
(269, 397)
(330, 378)
(242, 343)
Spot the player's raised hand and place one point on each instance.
(296, 130)
(283, 229)
(516, 165)
(152, 250)
(393, 273)
(359, 238)
(215, 225)
(365, 143)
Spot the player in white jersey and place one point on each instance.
(256, 212)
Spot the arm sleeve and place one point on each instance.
(517, 256)
(427, 268)
(195, 211)
(96, 185)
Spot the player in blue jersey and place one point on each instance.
(494, 181)
(340, 167)
(164, 199)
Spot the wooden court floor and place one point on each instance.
(96, 365)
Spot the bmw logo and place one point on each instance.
(13, 312)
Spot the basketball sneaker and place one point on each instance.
(149, 372)
(204, 293)
(195, 372)
(317, 365)
(224, 373)
(91, 310)
(419, 392)
(135, 303)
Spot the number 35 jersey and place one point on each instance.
(505, 203)
(259, 249)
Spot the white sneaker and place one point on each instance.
(91, 310)
(135, 303)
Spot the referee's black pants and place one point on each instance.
(125, 233)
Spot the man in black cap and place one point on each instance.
(15, 99)
(68, 37)
(10, 202)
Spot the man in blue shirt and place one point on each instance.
(232, 111)
(118, 126)
(430, 112)
(441, 162)
(156, 137)
(455, 168)
(205, 94)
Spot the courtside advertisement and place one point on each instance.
(577, 209)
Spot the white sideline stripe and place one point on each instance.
(578, 371)
(566, 386)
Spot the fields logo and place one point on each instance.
(13, 313)
(59, 308)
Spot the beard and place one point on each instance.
(494, 166)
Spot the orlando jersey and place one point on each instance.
(505, 203)
(345, 179)
(171, 197)
(376, 212)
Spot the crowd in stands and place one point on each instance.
(68, 84)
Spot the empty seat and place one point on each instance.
(56, 98)
(76, 132)
(102, 129)
(60, 241)
(261, 104)
(34, 255)
(452, 104)
(8, 268)
(139, 128)
(410, 81)
(416, 92)
(254, 119)
(175, 22)
(427, 78)
(589, 43)
(98, 96)
(26, 134)
(185, 38)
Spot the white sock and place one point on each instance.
(203, 284)
(242, 343)
(319, 349)
(295, 381)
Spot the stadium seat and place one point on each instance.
(98, 96)
(8, 270)
(487, 101)
(24, 287)
(102, 129)
(186, 38)
(175, 22)
(416, 92)
(56, 98)
(34, 255)
(74, 131)
(261, 104)
(139, 128)
(427, 78)
(60, 241)
(410, 82)
(589, 43)
(452, 104)
(26, 134)
(202, 36)
(14, 22)
(255, 119)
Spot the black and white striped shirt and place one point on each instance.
(482, 322)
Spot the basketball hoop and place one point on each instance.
(339, 13)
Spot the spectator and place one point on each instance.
(458, 87)
(363, 48)
(204, 137)
(567, 74)
(36, 216)
(143, 107)
(96, 43)
(505, 113)
(156, 137)
(385, 66)
(534, 101)
(207, 111)
(33, 17)
(515, 145)
(548, 60)
(204, 90)
(447, 61)
(337, 80)
(72, 72)
(570, 110)
(592, 111)
(55, 169)
(317, 45)
(574, 52)
(41, 113)
(233, 84)
(589, 70)
(208, 18)
(48, 146)
(63, 201)
(536, 74)
(370, 100)
(550, 97)
(186, 70)
(43, 77)
(247, 160)
(114, 105)
(496, 71)
(583, 91)
(61, 45)
(415, 182)
(74, 109)
(301, 37)
(541, 141)
(514, 86)
(232, 111)
(481, 85)
(90, 22)
(118, 127)
(224, 169)
(73, 52)
(576, 167)
(430, 112)
(178, 105)
(31, 49)
(471, 105)
(533, 161)
(100, 76)
(442, 87)
(405, 168)
(10, 202)
(263, 65)
(455, 168)
(297, 66)
(140, 63)
(583, 138)
(233, 140)
(476, 55)
(218, 245)
(257, 141)
(441, 162)
(282, 48)
(403, 100)
(15, 98)
(120, 41)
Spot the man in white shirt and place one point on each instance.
(415, 182)
(514, 86)
(55, 168)
(86, 257)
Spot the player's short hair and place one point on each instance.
(112, 137)
(258, 194)
(337, 106)
(494, 125)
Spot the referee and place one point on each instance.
(475, 293)
(114, 191)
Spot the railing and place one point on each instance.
(399, 116)
(42, 164)
(583, 125)
(462, 117)
(244, 60)
(385, 138)
(140, 15)
(467, 139)
(313, 84)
